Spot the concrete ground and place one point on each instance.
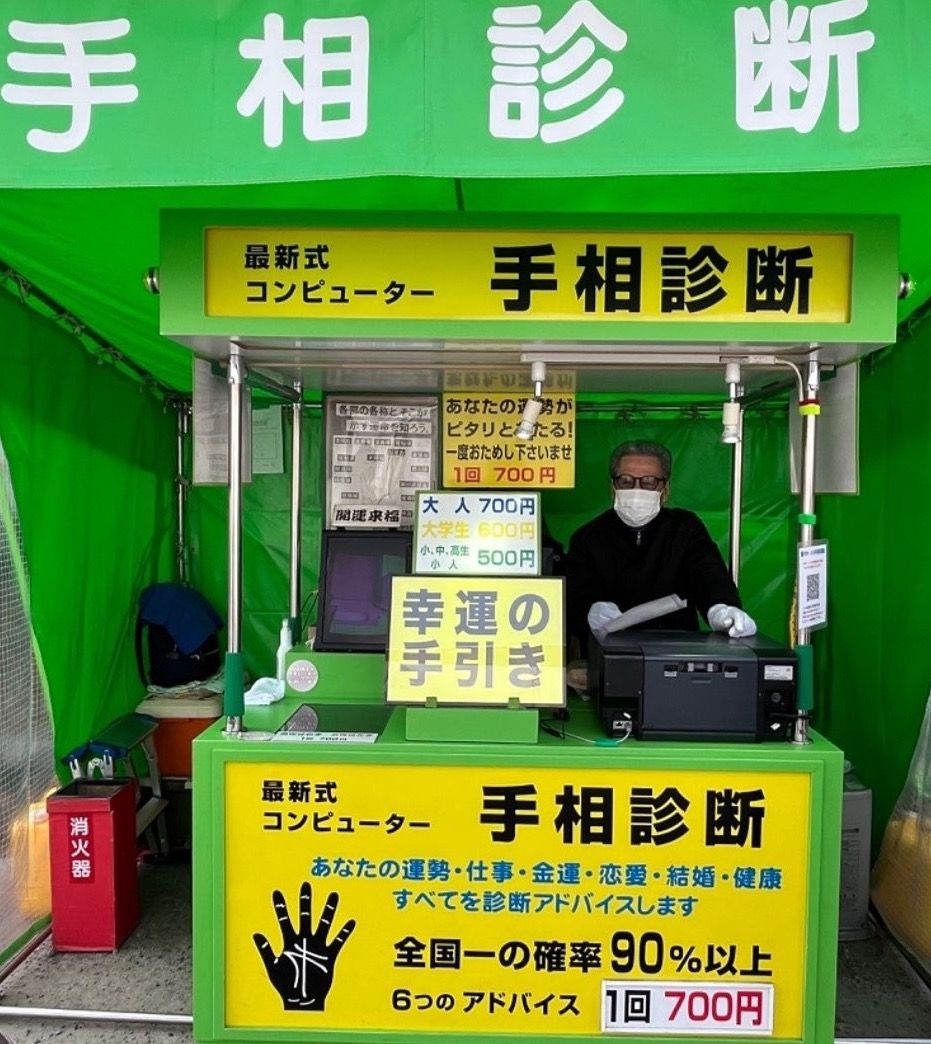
(151, 972)
(879, 994)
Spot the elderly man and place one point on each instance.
(640, 550)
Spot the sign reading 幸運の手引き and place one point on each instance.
(482, 641)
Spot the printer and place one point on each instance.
(690, 685)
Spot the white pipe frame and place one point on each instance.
(236, 378)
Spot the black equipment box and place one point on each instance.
(690, 685)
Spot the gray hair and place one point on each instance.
(643, 449)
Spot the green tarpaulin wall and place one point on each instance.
(874, 660)
(92, 464)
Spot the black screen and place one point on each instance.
(355, 588)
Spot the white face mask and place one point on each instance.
(636, 507)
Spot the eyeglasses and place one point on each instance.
(648, 482)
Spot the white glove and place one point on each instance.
(601, 614)
(733, 621)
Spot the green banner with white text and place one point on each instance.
(113, 92)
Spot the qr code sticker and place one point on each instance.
(813, 587)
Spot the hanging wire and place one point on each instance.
(19, 282)
(906, 331)
(908, 327)
(800, 380)
(628, 413)
(97, 346)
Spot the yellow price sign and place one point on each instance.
(505, 900)
(481, 450)
(476, 641)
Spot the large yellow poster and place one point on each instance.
(482, 899)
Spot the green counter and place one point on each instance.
(398, 890)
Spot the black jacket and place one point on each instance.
(609, 561)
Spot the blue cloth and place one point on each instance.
(184, 613)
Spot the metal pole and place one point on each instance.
(181, 487)
(810, 408)
(187, 1020)
(732, 419)
(91, 1015)
(233, 690)
(254, 379)
(295, 587)
(31, 946)
(737, 475)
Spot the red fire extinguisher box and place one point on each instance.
(92, 848)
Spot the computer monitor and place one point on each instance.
(356, 567)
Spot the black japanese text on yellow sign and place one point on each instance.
(480, 450)
(486, 274)
(476, 641)
(509, 899)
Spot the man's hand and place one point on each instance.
(303, 972)
(731, 621)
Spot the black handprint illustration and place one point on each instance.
(303, 972)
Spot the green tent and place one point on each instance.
(85, 413)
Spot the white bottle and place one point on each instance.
(284, 644)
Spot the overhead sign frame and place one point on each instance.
(186, 278)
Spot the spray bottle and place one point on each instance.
(284, 644)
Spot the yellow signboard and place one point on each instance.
(480, 449)
(484, 274)
(483, 379)
(477, 641)
(502, 900)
